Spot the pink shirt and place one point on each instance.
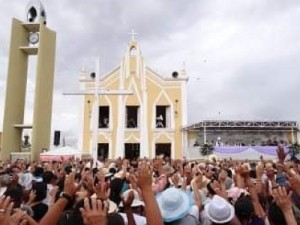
(160, 184)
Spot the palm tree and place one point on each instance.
(294, 150)
(206, 149)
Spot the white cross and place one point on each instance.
(132, 34)
(96, 92)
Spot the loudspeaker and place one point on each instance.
(56, 138)
(175, 74)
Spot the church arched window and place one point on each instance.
(133, 51)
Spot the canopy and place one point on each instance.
(60, 154)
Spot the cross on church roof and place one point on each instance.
(132, 34)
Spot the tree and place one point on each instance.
(206, 149)
(294, 150)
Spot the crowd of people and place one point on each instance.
(154, 192)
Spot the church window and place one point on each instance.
(133, 51)
(104, 117)
(163, 149)
(163, 117)
(132, 151)
(132, 116)
(103, 149)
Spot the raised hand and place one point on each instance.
(71, 187)
(127, 202)
(260, 168)
(89, 182)
(282, 198)
(5, 210)
(294, 181)
(219, 190)
(175, 180)
(281, 154)
(133, 181)
(144, 176)
(102, 191)
(32, 196)
(94, 213)
(18, 218)
(223, 176)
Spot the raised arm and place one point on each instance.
(152, 211)
(54, 213)
(283, 200)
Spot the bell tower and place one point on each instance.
(28, 38)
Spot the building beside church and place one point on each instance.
(146, 123)
(240, 139)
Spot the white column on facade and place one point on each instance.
(120, 128)
(81, 112)
(144, 126)
(184, 111)
(293, 137)
(120, 141)
(144, 115)
(94, 152)
(81, 122)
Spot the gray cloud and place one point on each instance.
(242, 56)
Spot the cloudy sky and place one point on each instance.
(242, 56)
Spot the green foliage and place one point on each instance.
(294, 149)
(206, 149)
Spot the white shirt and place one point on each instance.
(139, 220)
(48, 199)
(2, 190)
(194, 212)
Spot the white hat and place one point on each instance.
(167, 169)
(174, 204)
(106, 172)
(25, 180)
(136, 201)
(219, 210)
(212, 157)
(235, 192)
(180, 180)
(112, 207)
(120, 174)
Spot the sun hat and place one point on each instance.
(235, 192)
(219, 210)
(136, 201)
(167, 169)
(173, 203)
(106, 172)
(25, 180)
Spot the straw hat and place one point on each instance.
(168, 169)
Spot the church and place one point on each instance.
(145, 123)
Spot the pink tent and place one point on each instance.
(60, 154)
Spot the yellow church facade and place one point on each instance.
(146, 123)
